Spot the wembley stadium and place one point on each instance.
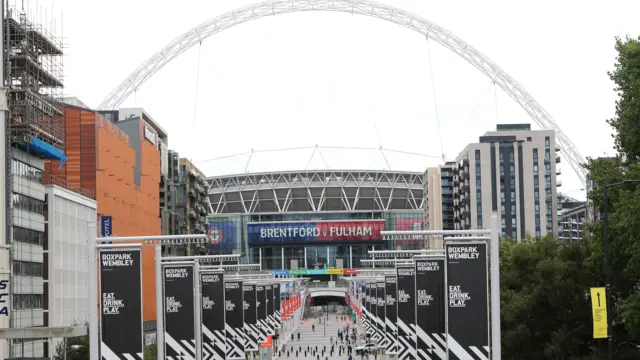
(312, 222)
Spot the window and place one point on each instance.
(28, 236)
(27, 268)
(27, 301)
(26, 171)
(28, 203)
(477, 155)
(528, 138)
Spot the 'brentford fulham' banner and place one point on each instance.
(251, 331)
(213, 335)
(234, 319)
(121, 304)
(391, 313)
(179, 316)
(467, 295)
(430, 325)
(406, 281)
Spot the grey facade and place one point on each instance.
(572, 215)
(511, 171)
(183, 202)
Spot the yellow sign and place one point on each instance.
(335, 271)
(599, 309)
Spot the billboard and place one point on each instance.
(468, 300)
(121, 304)
(223, 235)
(406, 282)
(213, 336)
(380, 315)
(391, 314)
(430, 324)
(251, 332)
(179, 315)
(234, 319)
(305, 231)
(409, 224)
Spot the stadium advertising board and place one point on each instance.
(223, 235)
(305, 231)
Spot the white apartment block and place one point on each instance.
(512, 171)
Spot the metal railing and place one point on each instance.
(54, 180)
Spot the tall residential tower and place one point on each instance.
(512, 171)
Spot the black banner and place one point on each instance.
(369, 328)
(179, 315)
(277, 313)
(391, 313)
(271, 323)
(430, 327)
(467, 294)
(374, 314)
(121, 304)
(213, 313)
(406, 281)
(261, 310)
(251, 331)
(234, 319)
(380, 315)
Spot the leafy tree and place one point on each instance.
(77, 348)
(546, 309)
(626, 77)
(151, 352)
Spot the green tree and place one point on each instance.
(151, 352)
(546, 310)
(626, 76)
(77, 348)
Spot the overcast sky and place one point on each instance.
(332, 79)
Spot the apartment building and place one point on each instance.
(439, 194)
(512, 171)
(572, 215)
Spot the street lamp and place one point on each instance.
(607, 261)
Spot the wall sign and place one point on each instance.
(149, 134)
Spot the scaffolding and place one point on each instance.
(33, 70)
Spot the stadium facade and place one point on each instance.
(313, 220)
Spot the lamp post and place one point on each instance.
(607, 260)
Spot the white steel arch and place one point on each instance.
(362, 7)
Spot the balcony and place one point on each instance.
(558, 171)
(559, 183)
(557, 159)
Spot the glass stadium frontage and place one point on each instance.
(313, 223)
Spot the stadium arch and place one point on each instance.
(361, 7)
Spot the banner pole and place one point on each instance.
(197, 309)
(94, 346)
(159, 302)
(495, 289)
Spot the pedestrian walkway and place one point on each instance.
(312, 343)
